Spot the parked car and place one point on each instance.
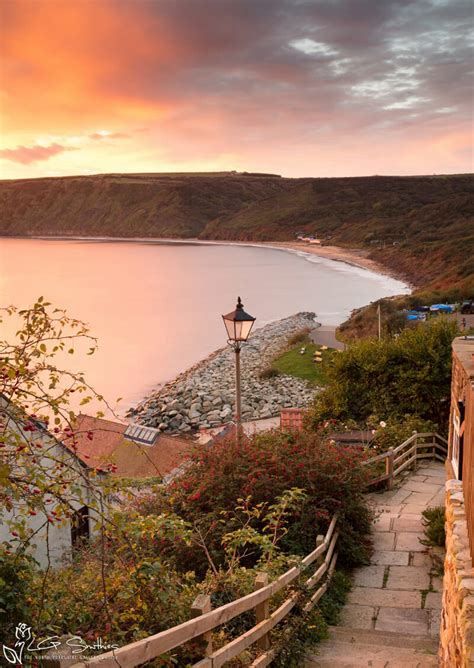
(467, 307)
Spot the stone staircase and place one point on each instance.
(356, 648)
(391, 619)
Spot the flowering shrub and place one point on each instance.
(392, 432)
(263, 467)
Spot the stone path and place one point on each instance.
(392, 615)
(325, 335)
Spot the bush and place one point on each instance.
(408, 375)
(393, 432)
(18, 574)
(433, 521)
(263, 467)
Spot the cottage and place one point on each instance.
(50, 542)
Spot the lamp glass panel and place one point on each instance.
(245, 327)
(229, 325)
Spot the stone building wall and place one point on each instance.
(457, 615)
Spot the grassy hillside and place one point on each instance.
(422, 227)
(127, 205)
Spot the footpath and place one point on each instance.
(392, 616)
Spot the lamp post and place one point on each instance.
(238, 325)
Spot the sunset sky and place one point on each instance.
(295, 87)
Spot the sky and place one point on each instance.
(293, 87)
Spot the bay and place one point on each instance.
(155, 306)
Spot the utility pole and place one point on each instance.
(380, 321)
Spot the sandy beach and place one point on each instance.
(354, 256)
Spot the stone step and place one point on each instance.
(355, 648)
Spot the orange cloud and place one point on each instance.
(222, 85)
(25, 155)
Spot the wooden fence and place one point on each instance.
(407, 454)
(205, 620)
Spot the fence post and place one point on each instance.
(389, 468)
(201, 605)
(262, 610)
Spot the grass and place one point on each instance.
(292, 363)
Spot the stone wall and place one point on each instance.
(457, 615)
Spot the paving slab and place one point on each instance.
(369, 576)
(383, 507)
(408, 577)
(390, 557)
(404, 523)
(383, 522)
(417, 477)
(383, 540)
(421, 559)
(357, 616)
(414, 509)
(422, 487)
(411, 621)
(410, 541)
(438, 499)
(434, 473)
(386, 598)
(397, 497)
(420, 498)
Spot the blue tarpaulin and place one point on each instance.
(445, 308)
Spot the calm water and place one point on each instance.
(156, 308)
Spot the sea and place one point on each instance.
(155, 306)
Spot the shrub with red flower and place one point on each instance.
(263, 467)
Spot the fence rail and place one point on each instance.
(418, 446)
(200, 626)
(324, 557)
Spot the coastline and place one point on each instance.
(352, 256)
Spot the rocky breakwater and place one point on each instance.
(203, 396)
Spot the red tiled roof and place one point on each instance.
(102, 442)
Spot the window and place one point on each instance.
(80, 532)
(140, 434)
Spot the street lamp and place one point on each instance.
(238, 325)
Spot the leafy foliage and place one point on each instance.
(433, 521)
(17, 576)
(395, 431)
(394, 377)
(261, 468)
(40, 478)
